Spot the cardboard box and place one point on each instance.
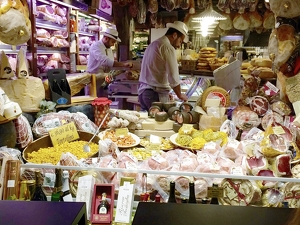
(85, 191)
(59, 93)
(97, 218)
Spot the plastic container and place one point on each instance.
(101, 107)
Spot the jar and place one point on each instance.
(101, 107)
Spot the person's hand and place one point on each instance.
(183, 97)
(128, 64)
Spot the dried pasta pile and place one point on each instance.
(52, 154)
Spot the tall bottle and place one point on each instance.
(104, 205)
(192, 196)
(38, 194)
(56, 87)
(66, 195)
(214, 199)
(11, 179)
(57, 191)
(172, 198)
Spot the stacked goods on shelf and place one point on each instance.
(205, 55)
(208, 61)
(263, 65)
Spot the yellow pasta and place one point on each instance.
(52, 154)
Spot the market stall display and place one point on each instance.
(214, 141)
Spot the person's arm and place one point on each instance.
(181, 96)
(123, 64)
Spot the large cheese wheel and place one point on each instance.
(216, 92)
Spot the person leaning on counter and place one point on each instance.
(159, 69)
(101, 58)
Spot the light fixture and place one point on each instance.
(209, 14)
(208, 18)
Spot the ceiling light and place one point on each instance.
(209, 14)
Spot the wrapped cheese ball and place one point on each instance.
(240, 192)
(292, 193)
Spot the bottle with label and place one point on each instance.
(38, 194)
(192, 197)
(66, 195)
(104, 205)
(172, 198)
(11, 179)
(214, 199)
(55, 197)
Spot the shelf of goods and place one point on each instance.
(84, 31)
(139, 43)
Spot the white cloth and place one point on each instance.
(101, 59)
(159, 69)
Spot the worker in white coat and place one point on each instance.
(159, 70)
(101, 58)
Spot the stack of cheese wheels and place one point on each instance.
(206, 54)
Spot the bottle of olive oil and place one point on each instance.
(57, 191)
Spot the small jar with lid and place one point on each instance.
(101, 108)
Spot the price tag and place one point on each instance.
(155, 142)
(278, 130)
(215, 192)
(187, 128)
(121, 132)
(237, 170)
(64, 133)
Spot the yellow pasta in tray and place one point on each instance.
(52, 154)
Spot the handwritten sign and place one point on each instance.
(64, 133)
(121, 132)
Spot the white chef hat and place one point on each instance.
(112, 33)
(181, 27)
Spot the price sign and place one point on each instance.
(215, 192)
(64, 133)
(121, 132)
(278, 130)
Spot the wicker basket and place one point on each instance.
(188, 64)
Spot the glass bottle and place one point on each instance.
(38, 194)
(55, 87)
(239, 135)
(214, 199)
(192, 196)
(11, 179)
(57, 191)
(66, 195)
(172, 198)
(184, 200)
(65, 86)
(104, 205)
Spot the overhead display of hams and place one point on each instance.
(246, 14)
(15, 25)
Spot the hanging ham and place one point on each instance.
(15, 26)
(142, 11)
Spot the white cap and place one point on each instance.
(112, 33)
(181, 27)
